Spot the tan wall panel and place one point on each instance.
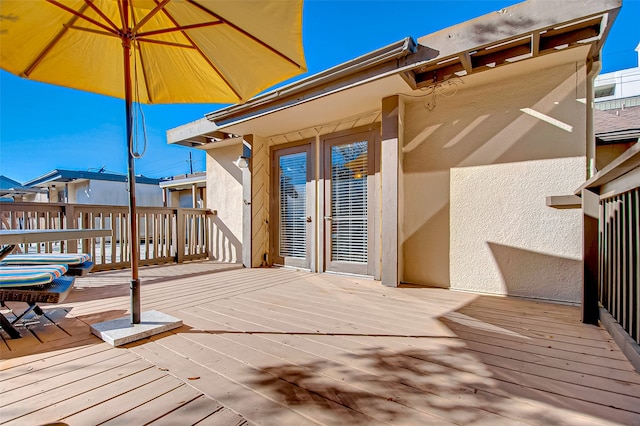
(224, 194)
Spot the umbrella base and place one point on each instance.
(120, 331)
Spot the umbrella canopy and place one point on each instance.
(153, 51)
(183, 51)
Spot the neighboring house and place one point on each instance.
(186, 191)
(616, 131)
(84, 187)
(425, 162)
(617, 114)
(618, 89)
(12, 190)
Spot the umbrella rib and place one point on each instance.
(91, 30)
(102, 15)
(246, 33)
(178, 28)
(165, 43)
(51, 44)
(211, 64)
(148, 16)
(144, 74)
(82, 16)
(124, 17)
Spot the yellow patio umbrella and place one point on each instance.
(153, 51)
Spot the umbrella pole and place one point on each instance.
(134, 243)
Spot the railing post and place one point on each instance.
(590, 217)
(208, 216)
(180, 236)
(86, 224)
(71, 222)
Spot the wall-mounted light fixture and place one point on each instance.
(242, 162)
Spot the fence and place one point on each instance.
(165, 234)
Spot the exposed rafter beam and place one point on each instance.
(465, 60)
(539, 42)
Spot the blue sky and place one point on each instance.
(43, 127)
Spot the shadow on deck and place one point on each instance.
(277, 346)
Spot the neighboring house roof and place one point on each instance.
(526, 30)
(621, 125)
(60, 175)
(6, 183)
(10, 188)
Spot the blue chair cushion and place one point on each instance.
(46, 259)
(21, 276)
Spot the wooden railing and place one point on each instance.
(611, 205)
(165, 234)
(619, 291)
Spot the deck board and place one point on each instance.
(281, 346)
(149, 386)
(252, 405)
(193, 411)
(41, 381)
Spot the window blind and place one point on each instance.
(293, 201)
(349, 240)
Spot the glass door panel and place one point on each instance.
(347, 226)
(292, 221)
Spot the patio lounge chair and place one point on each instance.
(31, 284)
(78, 264)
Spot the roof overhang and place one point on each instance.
(65, 176)
(185, 183)
(21, 191)
(522, 31)
(196, 134)
(525, 31)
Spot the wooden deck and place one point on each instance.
(284, 347)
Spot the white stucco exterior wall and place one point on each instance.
(224, 194)
(477, 169)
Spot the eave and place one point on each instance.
(64, 176)
(524, 31)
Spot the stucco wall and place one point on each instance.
(505, 240)
(224, 194)
(477, 169)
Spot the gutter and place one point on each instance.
(325, 82)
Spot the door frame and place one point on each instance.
(276, 151)
(372, 135)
